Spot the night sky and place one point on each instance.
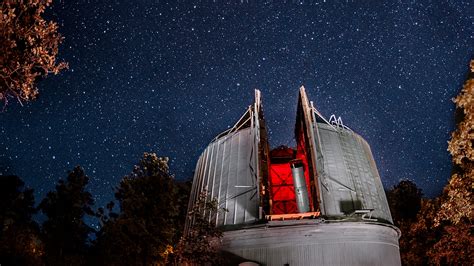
(168, 77)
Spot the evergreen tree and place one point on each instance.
(143, 232)
(65, 233)
(19, 234)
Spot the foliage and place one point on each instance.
(442, 233)
(16, 203)
(200, 244)
(405, 203)
(455, 247)
(414, 217)
(420, 235)
(64, 232)
(404, 200)
(461, 145)
(184, 190)
(143, 232)
(458, 204)
(456, 215)
(29, 47)
(19, 234)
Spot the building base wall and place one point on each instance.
(316, 243)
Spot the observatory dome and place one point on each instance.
(319, 203)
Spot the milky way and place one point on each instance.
(168, 77)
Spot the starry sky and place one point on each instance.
(166, 77)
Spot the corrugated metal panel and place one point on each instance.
(378, 193)
(346, 173)
(224, 171)
(317, 244)
(227, 170)
(350, 176)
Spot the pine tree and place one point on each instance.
(142, 233)
(65, 233)
(19, 234)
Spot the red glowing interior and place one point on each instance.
(282, 193)
(281, 179)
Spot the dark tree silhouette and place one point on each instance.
(404, 200)
(183, 192)
(65, 233)
(19, 234)
(143, 232)
(28, 48)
